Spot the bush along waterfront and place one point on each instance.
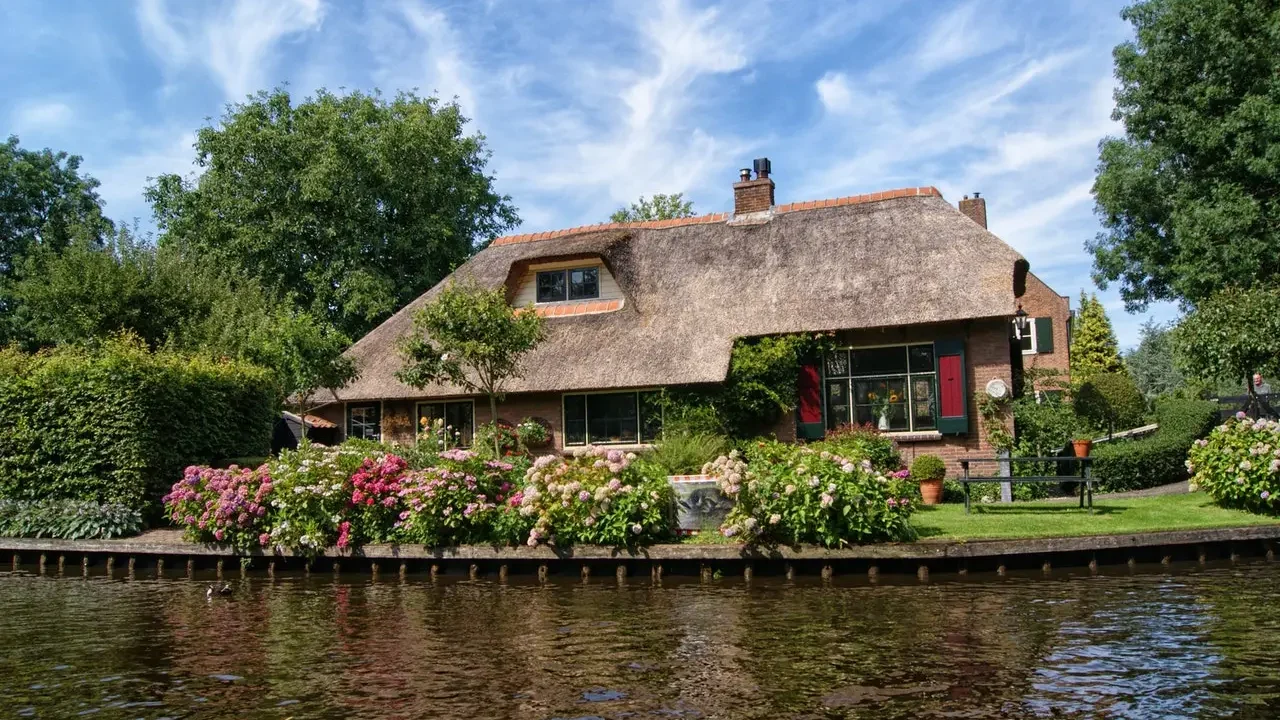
(1239, 464)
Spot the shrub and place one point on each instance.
(312, 493)
(798, 494)
(862, 442)
(457, 502)
(928, 467)
(67, 519)
(1109, 401)
(681, 453)
(226, 506)
(599, 496)
(1043, 429)
(507, 440)
(532, 433)
(1160, 458)
(116, 424)
(1239, 464)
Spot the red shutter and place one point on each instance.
(951, 385)
(810, 387)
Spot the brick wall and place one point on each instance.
(752, 196)
(1040, 300)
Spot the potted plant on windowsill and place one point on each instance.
(533, 433)
(929, 471)
(880, 407)
(1082, 442)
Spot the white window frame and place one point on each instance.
(346, 418)
(1035, 344)
(417, 417)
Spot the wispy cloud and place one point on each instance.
(42, 115)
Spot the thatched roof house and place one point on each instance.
(656, 304)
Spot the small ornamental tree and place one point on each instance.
(1233, 334)
(661, 207)
(470, 337)
(1093, 343)
(306, 355)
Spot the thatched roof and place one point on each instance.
(693, 286)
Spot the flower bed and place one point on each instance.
(1239, 464)
(791, 494)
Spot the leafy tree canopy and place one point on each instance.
(44, 202)
(1189, 198)
(1152, 364)
(470, 337)
(1093, 343)
(661, 207)
(1231, 335)
(352, 205)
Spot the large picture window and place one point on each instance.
(612, 418)
(893, 388)
(457, 419)
(572, 284)
(364, 421)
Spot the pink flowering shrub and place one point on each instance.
(1239, 464)
(794, 494)
(374, 504)
(223, 506)
(455, 502)
(599, 496)
(311, 505)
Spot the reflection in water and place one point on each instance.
(1202, 643)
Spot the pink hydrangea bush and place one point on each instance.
(455, 502)
(793, 494)
(1239, 464)
(599, 496)
(310, 508)
(221, 506)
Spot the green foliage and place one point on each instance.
(44, 203)
(470, 337)
(494, 440)
(994, 413)
(1109, 401)
(928, 467)
(862, 442)
(311, 493)
(1093, 342)
(789, 494)
(1231, 335)
(67, 519)
(1239, 464)
(683, 454)
(1152, 363)
(661, 207)
(352, 205)
(1160, 458)
(117, 424)
(1187, 196)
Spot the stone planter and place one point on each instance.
(700, 507)
(931, 491)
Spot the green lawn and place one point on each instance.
(1064, 519)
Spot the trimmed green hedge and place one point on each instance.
(117, 424)
(1161, 458)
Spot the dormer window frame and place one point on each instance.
(568, 288)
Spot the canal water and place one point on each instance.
(1185, 642)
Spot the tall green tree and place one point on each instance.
(470, 337)
(661, 207)
(1232, 335)
(352, 204)
(1189, 198)
(1093, 343)
(1151, 363)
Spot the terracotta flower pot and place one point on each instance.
(931, 491)
(1082, 447)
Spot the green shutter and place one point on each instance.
(953, 389)
(1044, 335)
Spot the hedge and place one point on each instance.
(1161, 458)
(117, 424)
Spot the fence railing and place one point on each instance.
(1263, 405)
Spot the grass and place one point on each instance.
(1191, 511)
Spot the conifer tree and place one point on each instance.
(1093, 343)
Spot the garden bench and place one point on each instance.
(1085, 478)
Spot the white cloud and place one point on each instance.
(41, 116)
(234, 42)
(441, 62)
(164, 150)
(960, 35)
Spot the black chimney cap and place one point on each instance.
(762, 167)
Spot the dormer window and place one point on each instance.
(568, 284)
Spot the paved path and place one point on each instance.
(1178, 488)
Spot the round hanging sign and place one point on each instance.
(997, 389)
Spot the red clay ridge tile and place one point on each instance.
(718, 217)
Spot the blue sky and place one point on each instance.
(588, 105)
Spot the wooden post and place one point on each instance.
(586, 572)
(542, 572)
(1270, 550)
(922, 573)
(271, 569)
(404, 570)
(964, 567)
(1001, 570)
(1202, 554)
(111, 565)
(1093, 565)
(1046, 568)
(435, 570)
(244, 568)
(306, 569)
(16, 562)
(873, 573)
(132, 565)
(502, 573)
(373, 571)
(191, 568)
(219, 566)
(621, 572)
(1133, 563)
(1166, 560)
(747, 572)
(84, 566)
(160, 566)
(474, 571)
(41, 563)
(337, 568)
(62, 564)
(705, 573)
(790, 571)
(827, 572)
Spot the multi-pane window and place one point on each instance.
(1027, 339)
(612, 418)
(455, 419)
(893, 388)
(571, 284)
(364, 421)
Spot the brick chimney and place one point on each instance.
(752, 196)
(976, 208)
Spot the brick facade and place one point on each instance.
(752, 196)
(1040, 301)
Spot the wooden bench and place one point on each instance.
(1085, 478)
